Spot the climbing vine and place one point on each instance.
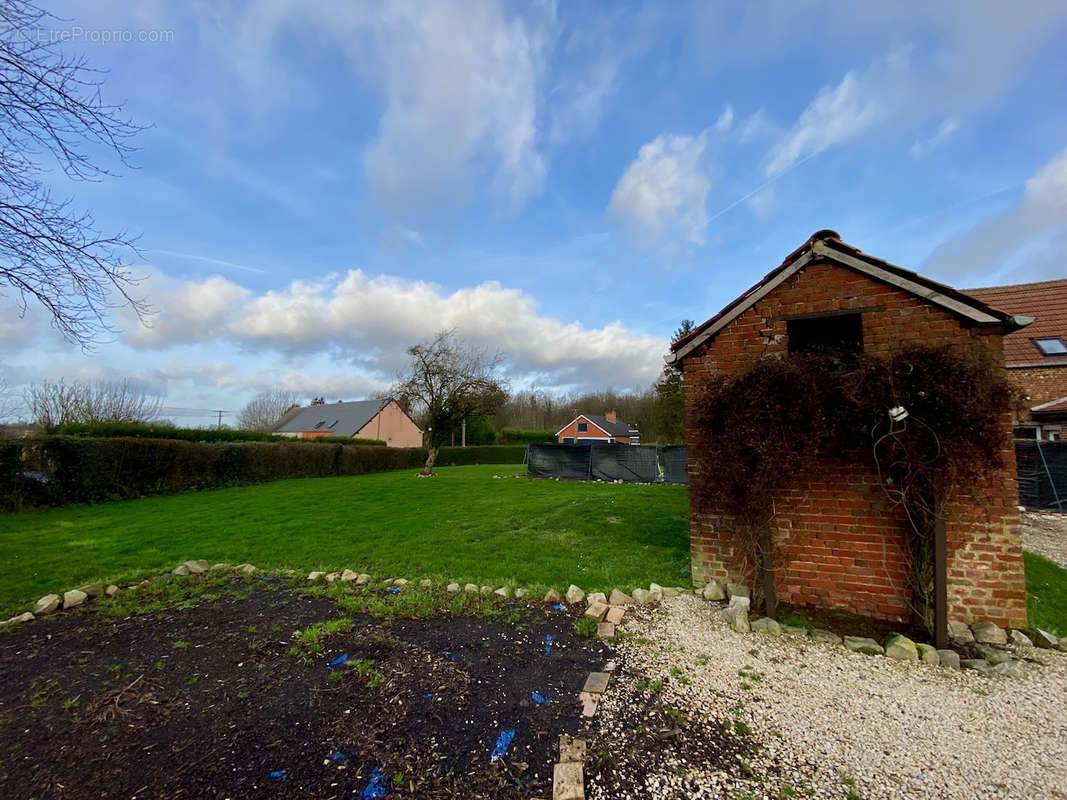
(760, 431)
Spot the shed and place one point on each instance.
(845, 549)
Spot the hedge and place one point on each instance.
(142, 430)
(521, 436)
(88, 470)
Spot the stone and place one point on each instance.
(655, 590)
(766, 625)
(502, 592)
(949, 658)
(349, 575)
(574, 594)
(74, 598)
(1020, 639)
(991, 654)
(605, 630)
(471, 588)
(618, 598)
(552, 596)
(1009, 669)
(795, 630)
(112, 590)
(24, 617)
(615, 614)
(362, 579)
(333, 576)
(1043, 639)
(181, 569)
(741, 602)
(713, 590)
(568, 781)
(928, 654)
(597, 611)
(820, 635)
(220, 567)
(672, 591)
(92, 589)
(314, 576)
(486, 590)
(979, 665)
(737, 618)
(597, 682)
(596, 597)
(959, 633)
(520, 593)
(47, 604)
(452, 588)
(204, 566)
(901, 648)
(642, 597)
(401, 582)
(589, 703)
(571, 749)
(425, 583)
(988, 633)
(245, 569)
(862, 644)
(737, 590)
(195, 567)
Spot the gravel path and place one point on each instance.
(1046, 535)
(823, 722)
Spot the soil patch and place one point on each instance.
(215, 700)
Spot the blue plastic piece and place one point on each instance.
(548, 643)
(338, 756)
(376, 787)
(450, 656)
(558, 606)
(337, 662)
(394, 589)
(503, 743)
(280, 774)
(427, 696)
(540, 699)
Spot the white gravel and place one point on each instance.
(1046, 535)
(827, 721)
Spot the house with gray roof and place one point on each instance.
(382, 419)
(598, 429)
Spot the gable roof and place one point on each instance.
(1058, 406)
(826, 245)
(1046, 301)
(610, 428)
(337, 419)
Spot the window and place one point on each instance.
(1050, 433)
(568, 440)
(333, 423)
(583, 427)
(1051, 346)
(319, 424)
(842, 332)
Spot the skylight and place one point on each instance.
(1051, 346)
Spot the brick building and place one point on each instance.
(842, 545)
(598, 429)
(1036, 358)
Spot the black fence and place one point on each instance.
(607, 462)
(1042, 471)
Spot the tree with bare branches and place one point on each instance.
(263, 411)
(52, 113)
(54, 403)
(449, 380)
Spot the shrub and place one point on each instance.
(338, 440)
(463, 456)
(520, 436)
(147, 431)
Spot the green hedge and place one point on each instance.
(521, 436)
(87, 470)
(144, 431)
(339, 440)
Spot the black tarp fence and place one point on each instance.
(675, 458)
(1042, 472)
(607, 462)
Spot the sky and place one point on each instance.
(323, 185)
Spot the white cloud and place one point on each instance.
(368, 322)
(1026, 242)
(189, 311)
(762, 203)
(665, 189)
(923, 147)
(725, 120)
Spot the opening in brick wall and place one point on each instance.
(841, 332)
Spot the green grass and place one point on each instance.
(464, 525)
(1046, 594)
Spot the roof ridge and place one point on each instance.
(1052, 282)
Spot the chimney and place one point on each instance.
(611, 416)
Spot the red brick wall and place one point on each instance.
(572, 432)
(1042, 384)
(841, 543)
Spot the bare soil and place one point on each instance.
(209, 701)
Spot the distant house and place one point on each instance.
(597, 429)
(362, 419)
(1036, 357)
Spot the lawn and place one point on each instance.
(464, 525)
(1046, 594)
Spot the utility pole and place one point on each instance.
(464, 442)
(220, 413)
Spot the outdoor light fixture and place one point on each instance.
(898, 414)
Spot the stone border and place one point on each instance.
(985, 638)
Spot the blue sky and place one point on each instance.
(324, 185)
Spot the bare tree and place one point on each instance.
(51, 111)
(263, 411)
(55, 403)
(449, 380)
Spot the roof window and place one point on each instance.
(1051, 346)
